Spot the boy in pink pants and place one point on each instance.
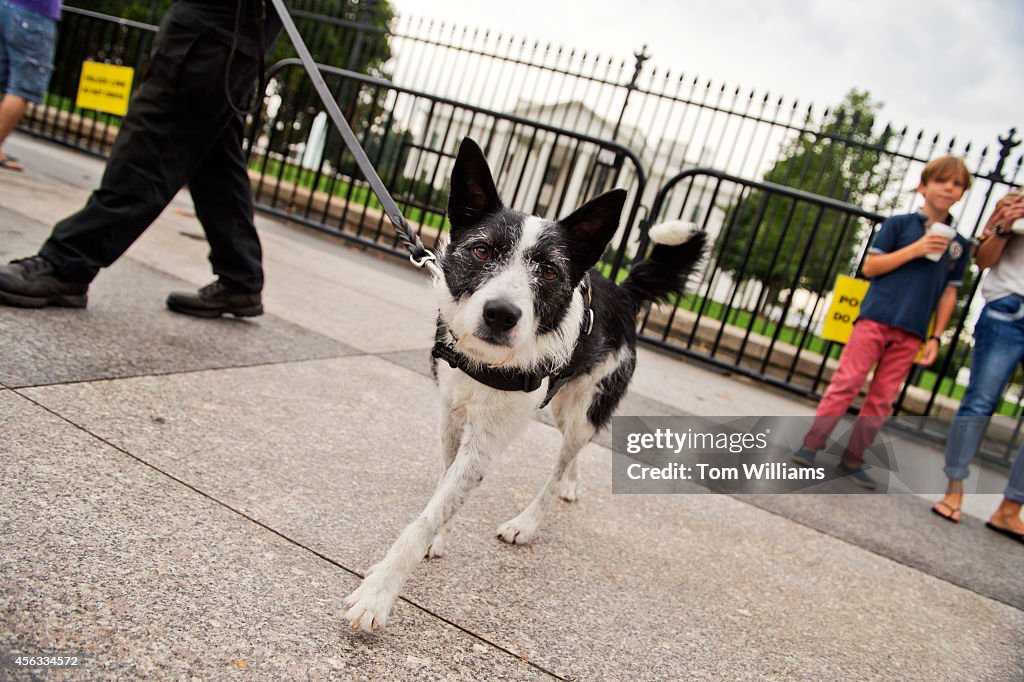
(906, 287)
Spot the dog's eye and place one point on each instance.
(548, 273)
(483, 252)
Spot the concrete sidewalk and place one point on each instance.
(184, 498)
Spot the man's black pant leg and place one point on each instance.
(176, 117)
(223, 199)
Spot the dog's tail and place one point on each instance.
(679, 247)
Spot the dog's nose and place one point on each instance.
(500, 316)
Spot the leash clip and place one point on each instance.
(426, 260)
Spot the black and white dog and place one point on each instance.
(519, 303)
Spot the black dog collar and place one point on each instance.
(511, 379)
(495, 377)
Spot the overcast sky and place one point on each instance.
(953, 67)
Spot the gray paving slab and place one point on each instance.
(912, 536)
(127, 331)
(617, 587)
(106, 558)
(898, 526)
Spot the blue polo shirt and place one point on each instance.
(906, 297)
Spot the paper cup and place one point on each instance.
(1018, 226)
(943, 230)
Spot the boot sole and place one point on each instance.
(58, 300)
(247, 311)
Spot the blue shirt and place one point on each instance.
(48, 8)
(906, 297)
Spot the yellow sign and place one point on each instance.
(845, 307)
(105, 87)
(846, 298)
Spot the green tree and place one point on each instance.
(350, 34)
(136, 10)
(786, 244)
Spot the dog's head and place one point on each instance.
(510, 278)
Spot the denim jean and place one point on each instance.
(998, 349)
(27, 42)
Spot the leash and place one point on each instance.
(419, 255)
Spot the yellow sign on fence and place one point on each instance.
(105, 87)
(846, 298)
(842, 313)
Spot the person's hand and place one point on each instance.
(1008, 214)
(1008, 209)
(931, 351)
(930, 244)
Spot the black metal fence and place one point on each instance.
(87, 35)
(412, 139)
(760, 300)
(559, 126)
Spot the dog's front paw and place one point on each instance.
(367, 608)
(567, 490)
(519, 531)
(439, 545)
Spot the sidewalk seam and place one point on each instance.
(184, 372)
(286, 538)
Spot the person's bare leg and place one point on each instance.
(12, 108)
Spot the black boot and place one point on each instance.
(32, 283)
(214, 300)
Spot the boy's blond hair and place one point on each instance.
(946, 167)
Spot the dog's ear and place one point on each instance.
(591, 227)
(473, 196)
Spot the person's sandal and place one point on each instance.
(10, 163)
(953, 511)
(1019, 537)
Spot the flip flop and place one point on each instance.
(952, 510)
(10, 163)
(1019, 537)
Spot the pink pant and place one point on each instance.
(871, 342)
